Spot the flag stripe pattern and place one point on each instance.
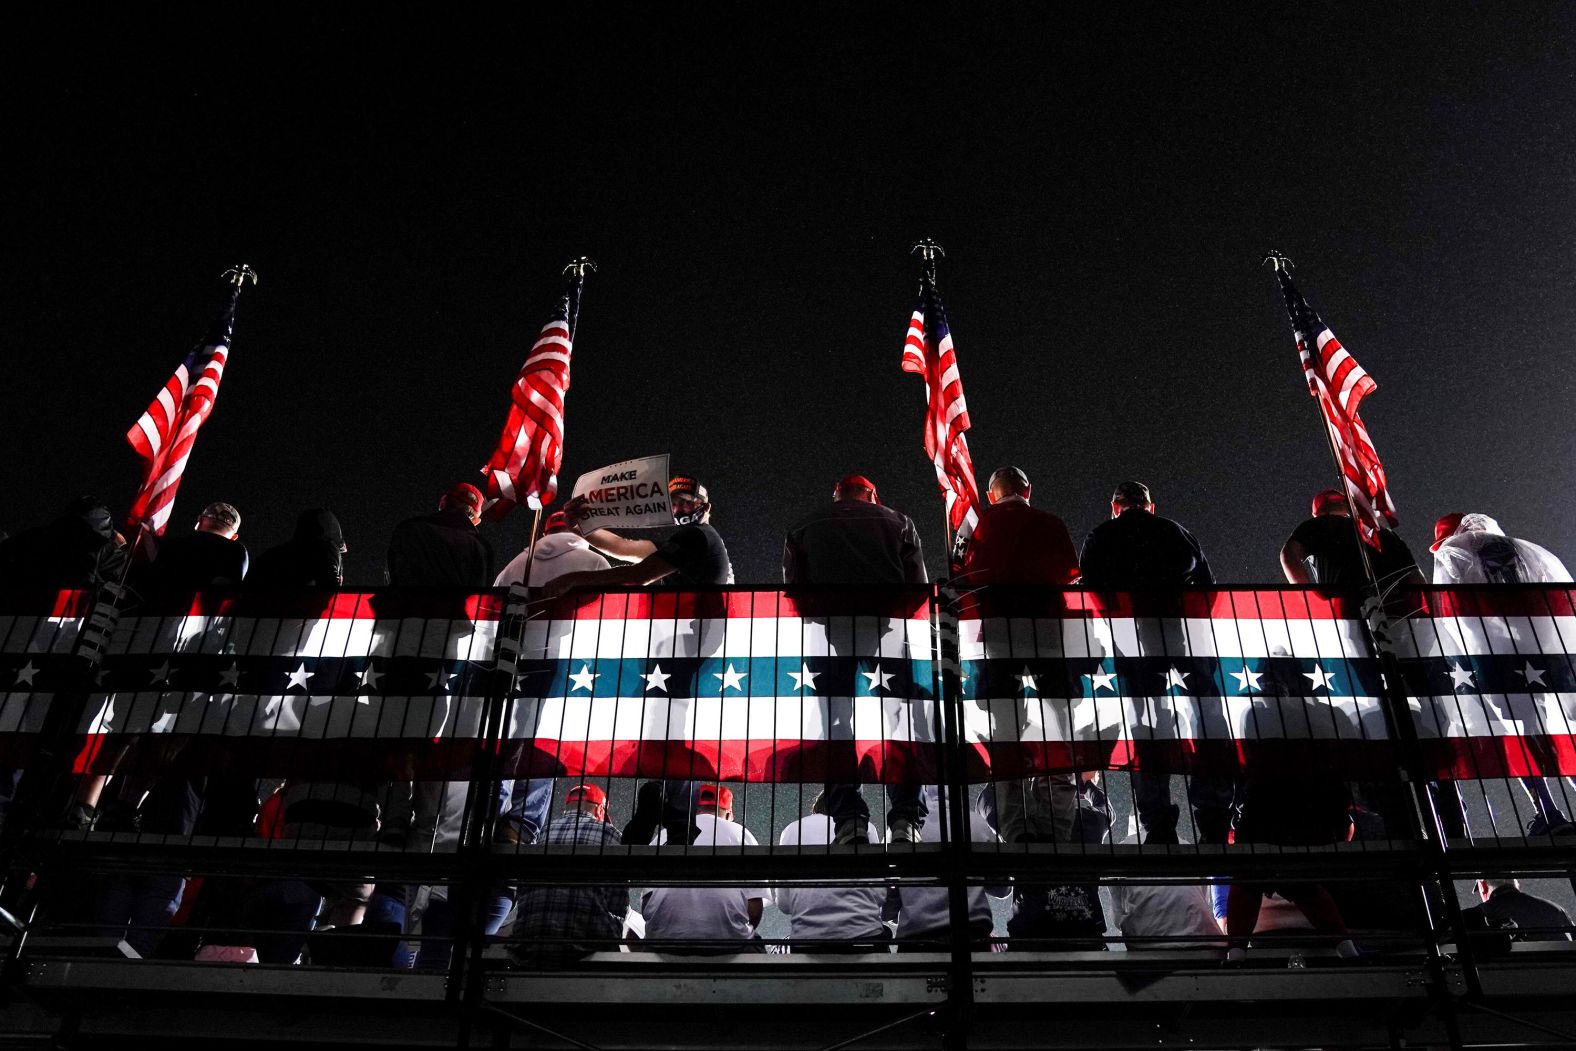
(165, 434)
(523, 469)
(1339, 384)
(783, 687)
(928, 351)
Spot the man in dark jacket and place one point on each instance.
(1138, 550)
(443, 549)
(209, 558)
(1507, 907)
(314, 557)
(856, 540)
(80, 549)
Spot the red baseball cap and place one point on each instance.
(714, 795)
(463, 495)
(1445, 528)
(1327, 497)
(555, 522)
(586, 793)
(855, 481)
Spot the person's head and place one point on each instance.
(557, 522)
(1006, 482)
(818, 804)
(321, 523)
(588, 800)
(220, 519)
(714, 799)
(463, 496)
(688, 498)
(1446, 528)
(1331, 502)
(856, 487)
(1130, 496)
(1487, 887)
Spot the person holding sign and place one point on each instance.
(693, 556)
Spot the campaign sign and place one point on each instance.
(631, 494)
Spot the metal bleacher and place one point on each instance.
(1444, 694)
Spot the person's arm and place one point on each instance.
(1294, 562)
(756, 908)
(1065, 553)
(638, 574)
(621, 547)
(1092, 562)
(793, 562)
(1202, 576)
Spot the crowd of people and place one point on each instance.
(852, 539)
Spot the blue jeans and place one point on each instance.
(139, 907)
(523, 805)
(437, 927)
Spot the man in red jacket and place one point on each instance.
(1015, 544)
(1018, 544)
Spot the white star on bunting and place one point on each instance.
(368, 677)
(879, 679)
(1101, 680)
(1319, 678)
(1026, 681)
(731, 680)
(26, 672)
(584, 679)
(231, 676)
(1459, 676)
(804, 678)
(1531, 674)
(299, 677)
(161, 674)
(1247, 679)
(1175, 678)
(657, 679)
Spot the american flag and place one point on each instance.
(163, 437)
(928, 352)
(524, 467)
(1340, 385)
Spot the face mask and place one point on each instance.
(692, 516)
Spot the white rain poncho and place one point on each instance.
(1479, 552)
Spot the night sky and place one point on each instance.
(408, 186)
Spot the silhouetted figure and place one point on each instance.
(314, 557)
(209, 558)
(1324, 550)
(856, 540)
(443, 548)
(80, 549)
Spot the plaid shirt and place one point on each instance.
(572, 921)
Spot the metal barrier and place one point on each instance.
(355, 761)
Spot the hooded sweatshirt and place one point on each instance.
(556, 554)
(309, 559)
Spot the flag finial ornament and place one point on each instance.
(1277, 262)
(580, 266)
(239, 275)
(928, 252)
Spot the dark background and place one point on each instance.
(409, 184)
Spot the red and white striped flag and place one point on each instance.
(1340, 384)
(928, 352)
(163, 437)
(523, 469)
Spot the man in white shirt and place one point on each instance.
(724, 918)
(1161, 916)
(847, 919)
(923, 912)
(561, 550)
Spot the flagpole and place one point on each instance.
(929, 251)
(1397, 714)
